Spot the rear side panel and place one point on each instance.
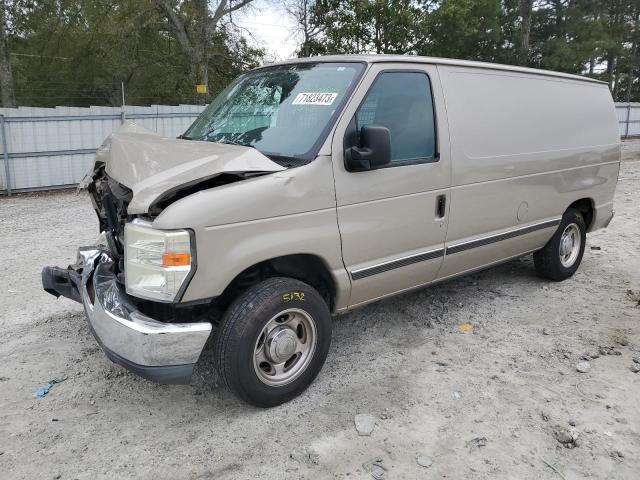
(524, 147)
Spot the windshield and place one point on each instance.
(283, 111)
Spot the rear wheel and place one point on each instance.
(561, 256)
(273, 341)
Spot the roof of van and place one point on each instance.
(433, 60)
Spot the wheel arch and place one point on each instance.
(306, 267)
(586, 206)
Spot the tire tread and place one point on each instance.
(233, 323)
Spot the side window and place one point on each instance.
(401, 101)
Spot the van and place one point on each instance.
(314, 186)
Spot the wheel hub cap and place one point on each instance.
(567, 245)
(285, 346)
(570, 243)
(281, 344)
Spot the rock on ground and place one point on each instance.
(365, 423)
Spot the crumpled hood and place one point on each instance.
(151, 165)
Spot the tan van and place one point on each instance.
(314, 186)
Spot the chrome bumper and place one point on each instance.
(163, 352)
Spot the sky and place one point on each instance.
(269, 26)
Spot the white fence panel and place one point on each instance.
(628, 119)
(54, 147)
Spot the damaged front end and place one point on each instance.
(110, 200)
(132, 280)
(160, 351)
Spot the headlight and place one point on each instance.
(157, 262)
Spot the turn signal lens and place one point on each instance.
(176, 259)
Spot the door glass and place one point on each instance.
(401, 101)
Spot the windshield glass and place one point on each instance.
(281, 111)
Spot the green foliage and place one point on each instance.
(363, 26)
(79, 52)
(591, 37)
(472, 30)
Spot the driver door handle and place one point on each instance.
(441, 206)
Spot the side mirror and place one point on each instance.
(374, 152)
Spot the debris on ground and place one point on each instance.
(365, 423)
(456, 395)
(477, 442)
(305, 455)
(465, 327)
(376, 468)
(554, 469)
(634, 296)
(42, 391)
(590, 355)
(593, 247)
(424, 460)
(568, 438)
(608, 350)
(621, 339)
(635, 368)
(617, 454)
(385, 414)
(583, 367)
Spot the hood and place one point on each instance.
(153, 166)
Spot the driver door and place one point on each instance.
(393, 219)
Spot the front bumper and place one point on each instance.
(159, 351)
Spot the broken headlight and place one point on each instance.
(157, 262)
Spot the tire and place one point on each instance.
(553, 261)
(264, 325)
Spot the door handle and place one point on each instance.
(441, 206)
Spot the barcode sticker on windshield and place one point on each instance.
(314, 99)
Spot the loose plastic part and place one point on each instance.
(42, 391)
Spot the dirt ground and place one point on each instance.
(488, 403)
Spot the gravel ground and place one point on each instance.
(502, 400)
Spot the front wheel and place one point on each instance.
(561, 256)
(273, 341)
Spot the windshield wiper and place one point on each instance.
(286, 160)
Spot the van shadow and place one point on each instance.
(406, 321)
(399, 319)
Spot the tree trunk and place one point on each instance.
(6, 75)
(526, 7)
(201, 59)
(611, 62)
(631, 72)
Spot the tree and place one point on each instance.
(195, 27)
(79, 52)
(301, 11)
(6, 74)
(526, 9)
(473, 30)
(368, 26)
